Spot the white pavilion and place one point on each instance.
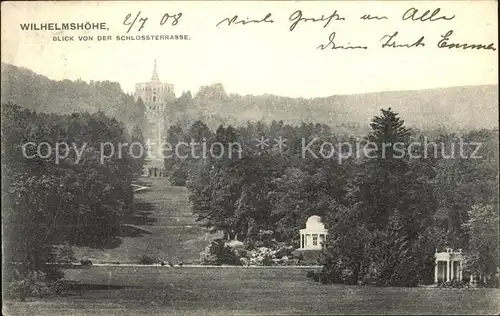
(448, 266)
(313, 237)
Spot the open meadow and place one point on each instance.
(242, 291)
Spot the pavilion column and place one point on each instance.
(445, 271)
(452, 270)
(436, 272)
(461, 271)
(448, 270)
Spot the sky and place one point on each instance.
(259, 58)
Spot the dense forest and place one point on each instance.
(385, 213)
(76, 200)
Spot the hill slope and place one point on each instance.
(36, 92)
(454, 108)
(162, 227)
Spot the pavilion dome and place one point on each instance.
(314, 222)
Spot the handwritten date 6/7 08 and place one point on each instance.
(139, 22)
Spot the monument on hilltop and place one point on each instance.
(156, 96)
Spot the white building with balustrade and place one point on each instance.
(448, 266)
(313, 237)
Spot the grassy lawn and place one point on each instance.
(162, 226)
(243, 291)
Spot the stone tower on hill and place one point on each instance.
(155, 95)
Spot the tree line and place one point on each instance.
(387, 215)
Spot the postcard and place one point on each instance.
(250, 157)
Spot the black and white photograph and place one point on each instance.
(250, 158)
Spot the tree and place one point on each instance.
(463, 181)
(183, 158)
(138, 150)
(138, 115)
(381, 186)
(347, 257)
(482, 250)
(392, 202)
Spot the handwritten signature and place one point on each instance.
(443, 43)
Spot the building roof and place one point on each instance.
(314, 222)
(154, 76)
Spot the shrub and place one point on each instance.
(145, 259)
(86, 262)
(491, 282)
(208, 259)
(319, 276)
(454, 284)
(244, 261)
(348, 276)
(65, 254)
(241, 253)
(218, 253)
(310, 274)
(28, 285)
(58, 286)
(267, 261)
(229, 256)
(495, 281)
(179, 175)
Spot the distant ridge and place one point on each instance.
(37, 92)
(453, 108)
